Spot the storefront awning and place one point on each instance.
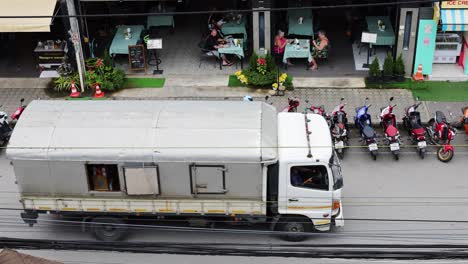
(26, 8)
(454, 19)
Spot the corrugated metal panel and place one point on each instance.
(145, 131)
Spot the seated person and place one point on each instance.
(215, 21)
(308, 177)
(213, 42)
(280, 44)
(319, 49)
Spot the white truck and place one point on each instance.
(111, 161)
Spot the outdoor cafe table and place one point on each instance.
(233, 27)
(232, 49)
(385, 37)
(120, 44)
(160, 21)
(297, 51)
(304, 29)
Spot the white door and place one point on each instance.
(141, 181)
(309, 192)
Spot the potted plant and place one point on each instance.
(374, 71)
(399, 70)
(388, 68)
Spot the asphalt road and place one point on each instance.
(410, 188)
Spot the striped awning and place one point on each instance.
(454, 19)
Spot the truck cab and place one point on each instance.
(309, 176)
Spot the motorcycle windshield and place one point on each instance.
(361, 112)
(385, 111)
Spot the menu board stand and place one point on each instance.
(137, 58)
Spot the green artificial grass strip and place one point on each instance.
(145, 82)
(443, 91)
(234, 82)
(78, 98)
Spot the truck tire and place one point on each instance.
(108, 228)
(295, 228)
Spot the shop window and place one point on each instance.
(407, 33)
(103, 177)
(310, 177)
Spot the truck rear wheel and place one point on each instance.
(294, 228)
(108, 228)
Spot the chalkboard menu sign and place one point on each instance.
(136, 57)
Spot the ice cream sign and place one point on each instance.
(455, 4)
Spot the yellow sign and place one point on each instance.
(455, 4)
(436, 12)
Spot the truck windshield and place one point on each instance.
(336, 171)
(311, 177)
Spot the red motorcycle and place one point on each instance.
(441, 133)
(293, 103)
(339, 128)
(319, 110)
(392, 135)
(412, 123)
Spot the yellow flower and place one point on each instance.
(238, 73)
(275, 86)
(281, 79)
(284, 76)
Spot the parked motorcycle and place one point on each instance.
(389, 126)
(412, 123)
(319, 110)
(16, 115)
(339, 128)
(463, 122)
(441, 133)
(293, 103)
(5, 129)
(363, 122)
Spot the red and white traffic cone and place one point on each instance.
(98, 93)
(74, 91)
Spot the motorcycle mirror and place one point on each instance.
(22, 100)
(391, 98)
(342, 99)
(307, 101)
(267, 97)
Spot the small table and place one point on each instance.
(384, 37)
(119, 44)
(304, 29)
(160, 21)
(232, 49)
(297, 51)
(234, 27)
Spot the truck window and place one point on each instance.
(311, 177)
(103, 177)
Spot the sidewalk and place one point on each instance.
(186, 88)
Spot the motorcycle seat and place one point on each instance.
(440, 117)
(391, 131)
(368, 132)
(418, 131)
(415, 120)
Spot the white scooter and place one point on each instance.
(5, 129)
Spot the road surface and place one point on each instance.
(410, 188)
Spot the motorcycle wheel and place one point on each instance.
(374, 155)
(444, 157)
(422, 153)
(396, 155)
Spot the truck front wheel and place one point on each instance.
(294, 229)
(108, 228)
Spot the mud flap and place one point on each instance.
(29, 217)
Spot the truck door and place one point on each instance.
(141, 180)
(309, 193)
(208, 179)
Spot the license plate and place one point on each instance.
(422, 144)
(394, 146)
(373, 146)
(339, 144)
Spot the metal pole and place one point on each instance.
(76, 40)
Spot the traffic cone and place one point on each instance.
(419, 75)
(98, 93)
(74, 91)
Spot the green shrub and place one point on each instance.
(388, 66)
(63, 83)
(374, 68)
(399, 67)
(107, 58)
